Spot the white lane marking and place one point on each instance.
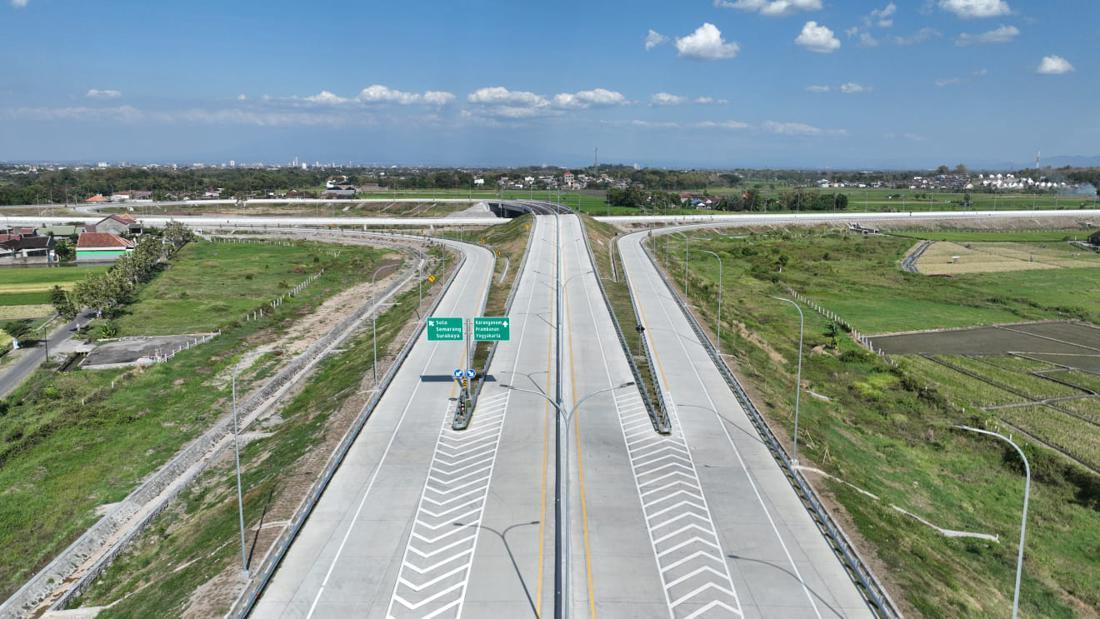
(717, 590)
(729, 438)
(463, 463)
(389, 444)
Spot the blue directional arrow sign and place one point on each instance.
(458, 373)
(471, 373)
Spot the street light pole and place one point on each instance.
(374, 344)
(798, 377)
(237, 458)
(1023, 519)
(718, 317)
(562, 603)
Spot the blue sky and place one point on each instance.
(692, 83)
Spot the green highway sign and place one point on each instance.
(492, 329)
(444, 329)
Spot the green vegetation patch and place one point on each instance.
(888, 429)
(70, 442)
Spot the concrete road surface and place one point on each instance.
(780, 564)
(354, 547)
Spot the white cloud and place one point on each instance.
(818, 88)
(96, 93)
(709, 101)
(1004, 34)
(852, 88)
(1054, 65)
(326, 97)
(948, 81)
(666, 98)
(499, 95)
(798, 129)
(653, 39)
(377, 93)
(242, 97)
(722, 124)
(19, 3)
(968, 9)
(771, 8)
(867, 40)
(884, 17)
(599, 97)
(921, 36)
(817, 38)
(130, 114)
(706, 44)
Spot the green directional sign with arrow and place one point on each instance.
(492, 329)
(444, 329)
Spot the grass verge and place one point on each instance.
(188, 557)
(887, 430)
(72, 442)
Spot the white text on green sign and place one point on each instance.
(492, 329)
(444, 329)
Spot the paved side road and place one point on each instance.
(781, 565)
(13, 375)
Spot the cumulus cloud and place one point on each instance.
(771, 8)
(499, 95)
(326, 97)
(19, 3)
(96, 93)
(666, 98)
(377, 93)
(884, 17)
(706, 43)
(921, 36)
(1004, 34)
(1054, 65)
(852, 88)
(817, 38)
(599, 97)
(709, 101)
(653, 39)
(798, 129)
(969, 9)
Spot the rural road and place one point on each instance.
(13, 375)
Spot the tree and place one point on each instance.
(961, 169)
(64, 250)
(942, 169)
(177, 235)
(62, 304)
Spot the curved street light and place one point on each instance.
(798, 376)
(1023, 519)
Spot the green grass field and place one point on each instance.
(61, 458)
(888, 430)
(194, 540)
(1018, 236)
(32, 285)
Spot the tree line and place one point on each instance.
(105, 292)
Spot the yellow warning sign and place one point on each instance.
(431, 279)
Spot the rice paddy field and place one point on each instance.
(955, 258)
(25, 291)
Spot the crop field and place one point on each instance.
(890, 430)
(32, 285)
(949, 258)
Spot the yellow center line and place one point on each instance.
(580, 464)
(545, 470)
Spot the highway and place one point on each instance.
(781, 565)
(354, 547)
(711, 219)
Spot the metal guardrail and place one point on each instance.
(875, 594)
(248, 598)
(658, 414)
